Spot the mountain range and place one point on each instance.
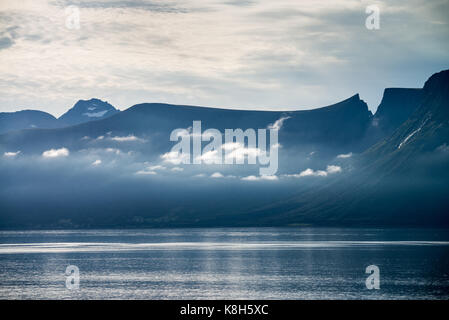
(390, 168)
(82, 111)
(402, 180)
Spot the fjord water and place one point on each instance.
(253, 263)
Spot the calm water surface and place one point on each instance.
(254, 263)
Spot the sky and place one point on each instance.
(240, 54)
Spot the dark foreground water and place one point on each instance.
(302, 263)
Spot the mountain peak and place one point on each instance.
(87, 110)
(438, 81)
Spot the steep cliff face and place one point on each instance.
(396, 106)
(402, 180)
(427, 127)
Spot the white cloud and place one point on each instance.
(11, 154)
(210, 157)
(241, 153)
(345, 155)
(250, 178)
(156, 167)
(259, 178)
(175, 158)
(177, 169)
(232, 150)
(146, 172)
(277, 125)
(331, 169)
(113, 150)
(56, 153)
(232, 146)
(151, 170)
(310, 172)
(216, 175)
(96, 162)
(128, 138)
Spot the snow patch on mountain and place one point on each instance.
(95, 114)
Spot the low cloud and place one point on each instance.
(96, 162)
(129, 138)
(216, 175)
(277, 125)
(259, 178)
(11, 154)
(345, 155)
(156, 167)
(199, 175)
(331, 169)
(56, 153)
(210, 157)
(146, 172)
(175, 158)
(232, 150)
(113, 150)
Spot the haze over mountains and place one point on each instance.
(338, 165)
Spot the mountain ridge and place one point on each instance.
(37, 119)
(112, 172)
(392, 180)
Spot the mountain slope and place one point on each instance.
(26, 119)
(402, 180)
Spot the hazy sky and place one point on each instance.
(257, 54)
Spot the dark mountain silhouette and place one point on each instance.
(396, 106)
(82, 111)
(26, 119)
(397, 176)
(338, 126)
(348, 125)
(402, 180)
(87, 110)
